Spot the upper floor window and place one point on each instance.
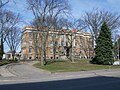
(30, 42)
(80, 38)
(50, 35)
(62, 43)
(30, 35)
(30, 49)
(51, 43)
(91, 39)
(56, 35)
(81, 46)
(56, 43)
(51, 50)
(62, 36)
(56, 50)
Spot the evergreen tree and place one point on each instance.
(1, 49)
(104, 47)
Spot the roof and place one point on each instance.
(31, 28)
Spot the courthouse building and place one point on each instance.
(82, 43)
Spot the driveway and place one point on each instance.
(22, 72)
(26, 70)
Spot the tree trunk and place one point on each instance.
(42, 52)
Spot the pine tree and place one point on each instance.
(104, 47)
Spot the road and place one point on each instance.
(23, 76)
(93, 83)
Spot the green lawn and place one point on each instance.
(67, 66)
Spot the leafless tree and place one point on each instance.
(86, 45)
(43, 10)
(95, 18)
(56, 33)
(3, 3)
(7, 20)
(13, 39)
(8, 29)
(72, 26)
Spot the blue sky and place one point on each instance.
(78, 8)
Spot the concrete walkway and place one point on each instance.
(25, 72)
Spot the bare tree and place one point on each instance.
(86, 45)
(3, 3)
(7, 20)
(72, 26)
(13, 40)
(56, 33)
(95, 18)
(42, 10)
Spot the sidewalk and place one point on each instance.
(82, 74)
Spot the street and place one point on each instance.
(93, 83)
(23, 76)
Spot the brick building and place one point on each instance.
(82, 44)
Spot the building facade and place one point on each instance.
(58, 41)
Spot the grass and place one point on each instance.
(67, 66)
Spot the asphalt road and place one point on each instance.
(93, 83)
(26, 77)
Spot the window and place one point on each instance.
(81, 45)
(63, 51)
(30, 42)
(30, 57)
(36, 49)
(51, 50)
(56, 50)
(51, 57)
(80, 38)
(56, 36)
(62, 43)
(56, 43)
(31, 35)
(51, 43)
(62, 36)
(50, 35)
(90, 45)
(87, 41)
(76, 43)
(30, 49)
(91, 39)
